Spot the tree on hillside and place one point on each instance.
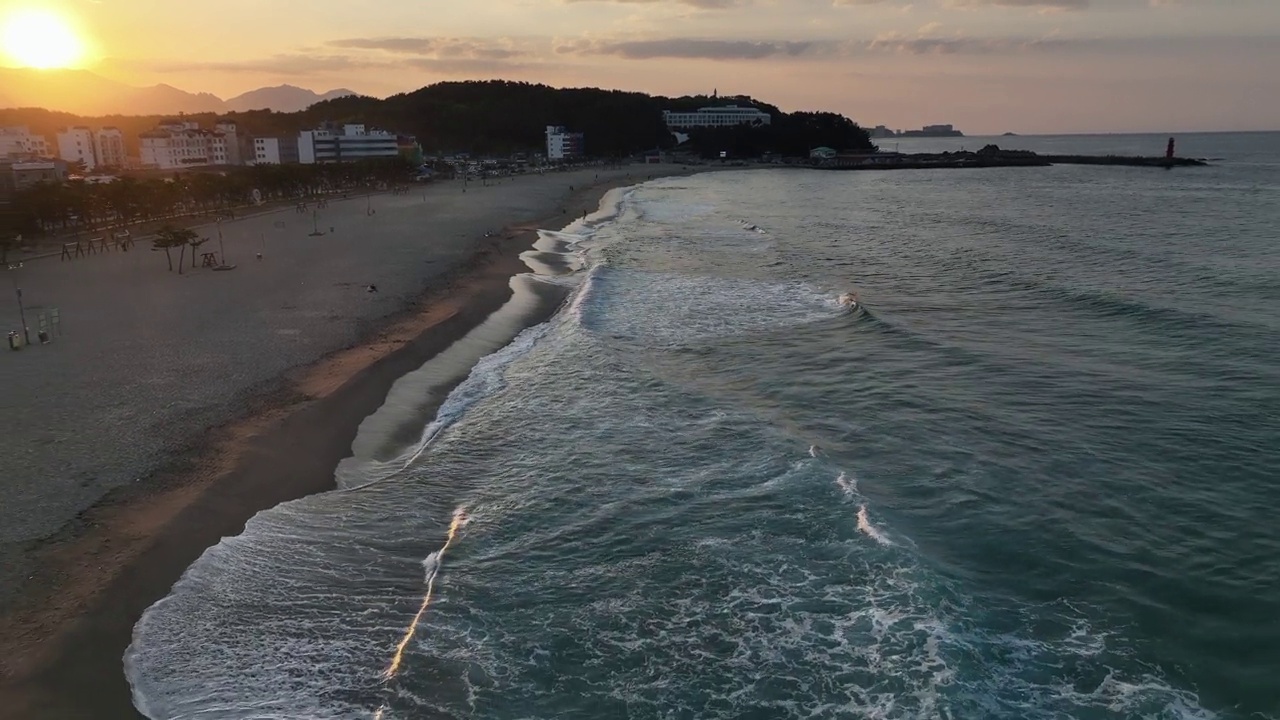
(169, 237)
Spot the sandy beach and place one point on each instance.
(171, 408)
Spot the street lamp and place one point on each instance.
(22, 313)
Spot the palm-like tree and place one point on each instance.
(169, 237)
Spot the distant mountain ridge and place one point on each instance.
(282, 98)
(85, 93)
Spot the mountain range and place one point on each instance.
(86, 93)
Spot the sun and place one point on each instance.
(41, 39)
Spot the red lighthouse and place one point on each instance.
(1168, 153)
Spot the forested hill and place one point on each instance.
(500, 117)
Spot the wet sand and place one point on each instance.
(82, 587)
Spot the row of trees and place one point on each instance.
(77, 205)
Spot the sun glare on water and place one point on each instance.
(40, 38)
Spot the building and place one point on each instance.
(564, 145)
(408, 147)
(108, 145)
(727, 116)
(18, 175)
(18, 142)
(881, 132)
(275, 151)
(177, 144)
(345, 143)
(75, 145)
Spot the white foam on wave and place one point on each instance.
(866, 528)
(486, 378)
(430, 565)
(500, 340)
(848, 484)
(668, 309)
(362, 469)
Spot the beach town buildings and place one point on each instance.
(108, 144)
(19, 142)
(104, 148)
(178, 144)
(275, 150)
(726, 116)
(75, 145)
(345, 143)
(564, 145)
(19, 174)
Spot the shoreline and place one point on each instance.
(63, 640)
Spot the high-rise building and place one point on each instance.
(109, 147)
(18, 142)
(75, 145)
(564, 145)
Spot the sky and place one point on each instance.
(986, 66)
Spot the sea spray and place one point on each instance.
(847, 484)
(866, 528)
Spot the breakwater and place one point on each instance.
(991, 156)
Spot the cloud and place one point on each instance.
(1039, 4)
(700, 4)
(1042, 5)
(437, 47)
(962, 45)
(688, 48)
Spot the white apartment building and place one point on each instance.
(727, 116)
(183, 144)
(108, 145)
(345, 144)
(18, 142)
(564, 145)
(75, 144)
(275, 151)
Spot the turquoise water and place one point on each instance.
(1032, 476)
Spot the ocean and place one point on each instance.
(1032, 474)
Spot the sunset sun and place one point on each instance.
(40, 39)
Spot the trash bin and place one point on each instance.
(15, 341)
(44, 337)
